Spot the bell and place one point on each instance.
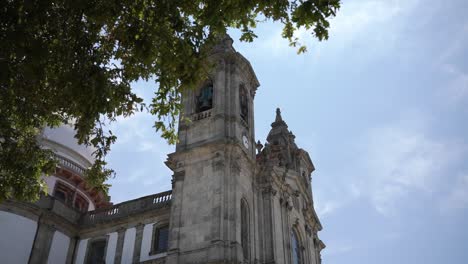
(205, 100)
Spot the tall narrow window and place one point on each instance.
(160, 239)
(96, 254)
(245, 241)
(204, 100)
(81, 204)
(296, 248)
(244, 103)
(63, 193)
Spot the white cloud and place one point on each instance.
(327, 207)
(341, 197)
(393, 161)
(373, 23)
(138, 158)
(401, 158)
(137, 132)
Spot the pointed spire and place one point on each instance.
(278, 120)
(278, 115)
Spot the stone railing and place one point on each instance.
(201, 115)
(59, 208)
(71, 165)
(127, 208)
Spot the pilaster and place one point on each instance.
(72, 248)
(42, 242)
(138, 240)
(119, 247)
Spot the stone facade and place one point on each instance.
(232, 201)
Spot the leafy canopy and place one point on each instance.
(76, 60)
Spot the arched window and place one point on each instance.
(245, 238)
(244, 103)
(296, 248)
(204, 99)
(63, 193)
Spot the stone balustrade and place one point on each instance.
(201, 115)
(128, 208)
(71, 165)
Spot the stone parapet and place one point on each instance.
(59, 208)
(126, 209)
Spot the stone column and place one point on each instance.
(120, 243)
(175, 217)
(72, 248)
(42, 243)
(138, 240)
(267, 225)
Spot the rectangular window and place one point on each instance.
(97, 250)
(161, 239)
(81, 203)
(63, 193)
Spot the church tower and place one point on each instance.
(233, 201)
(214, 166)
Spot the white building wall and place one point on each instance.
(81, 253)
(146, 244)
(16, 237)
(59, 248)
(129, 244)
(50, 181)
(111, 247)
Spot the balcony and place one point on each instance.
(70, 165)
(59, 208)
(201, 115)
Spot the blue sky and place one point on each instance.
(382, 108)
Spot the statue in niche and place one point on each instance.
(205, 98)
(244, 103)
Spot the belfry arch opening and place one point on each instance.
(204, 97)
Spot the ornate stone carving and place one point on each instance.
(269, 190)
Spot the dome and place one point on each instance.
(62, 140)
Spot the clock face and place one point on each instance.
(245, 141)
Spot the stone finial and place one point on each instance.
(278, 115)
(224, 43)
(259, 147)
(279, 120)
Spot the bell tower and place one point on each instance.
(214, 166)
(221, 108)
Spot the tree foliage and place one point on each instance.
(76, 60)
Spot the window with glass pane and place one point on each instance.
(161, 239)
(63, 193)
(96, 252)
(81, 204)
(296, 249)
